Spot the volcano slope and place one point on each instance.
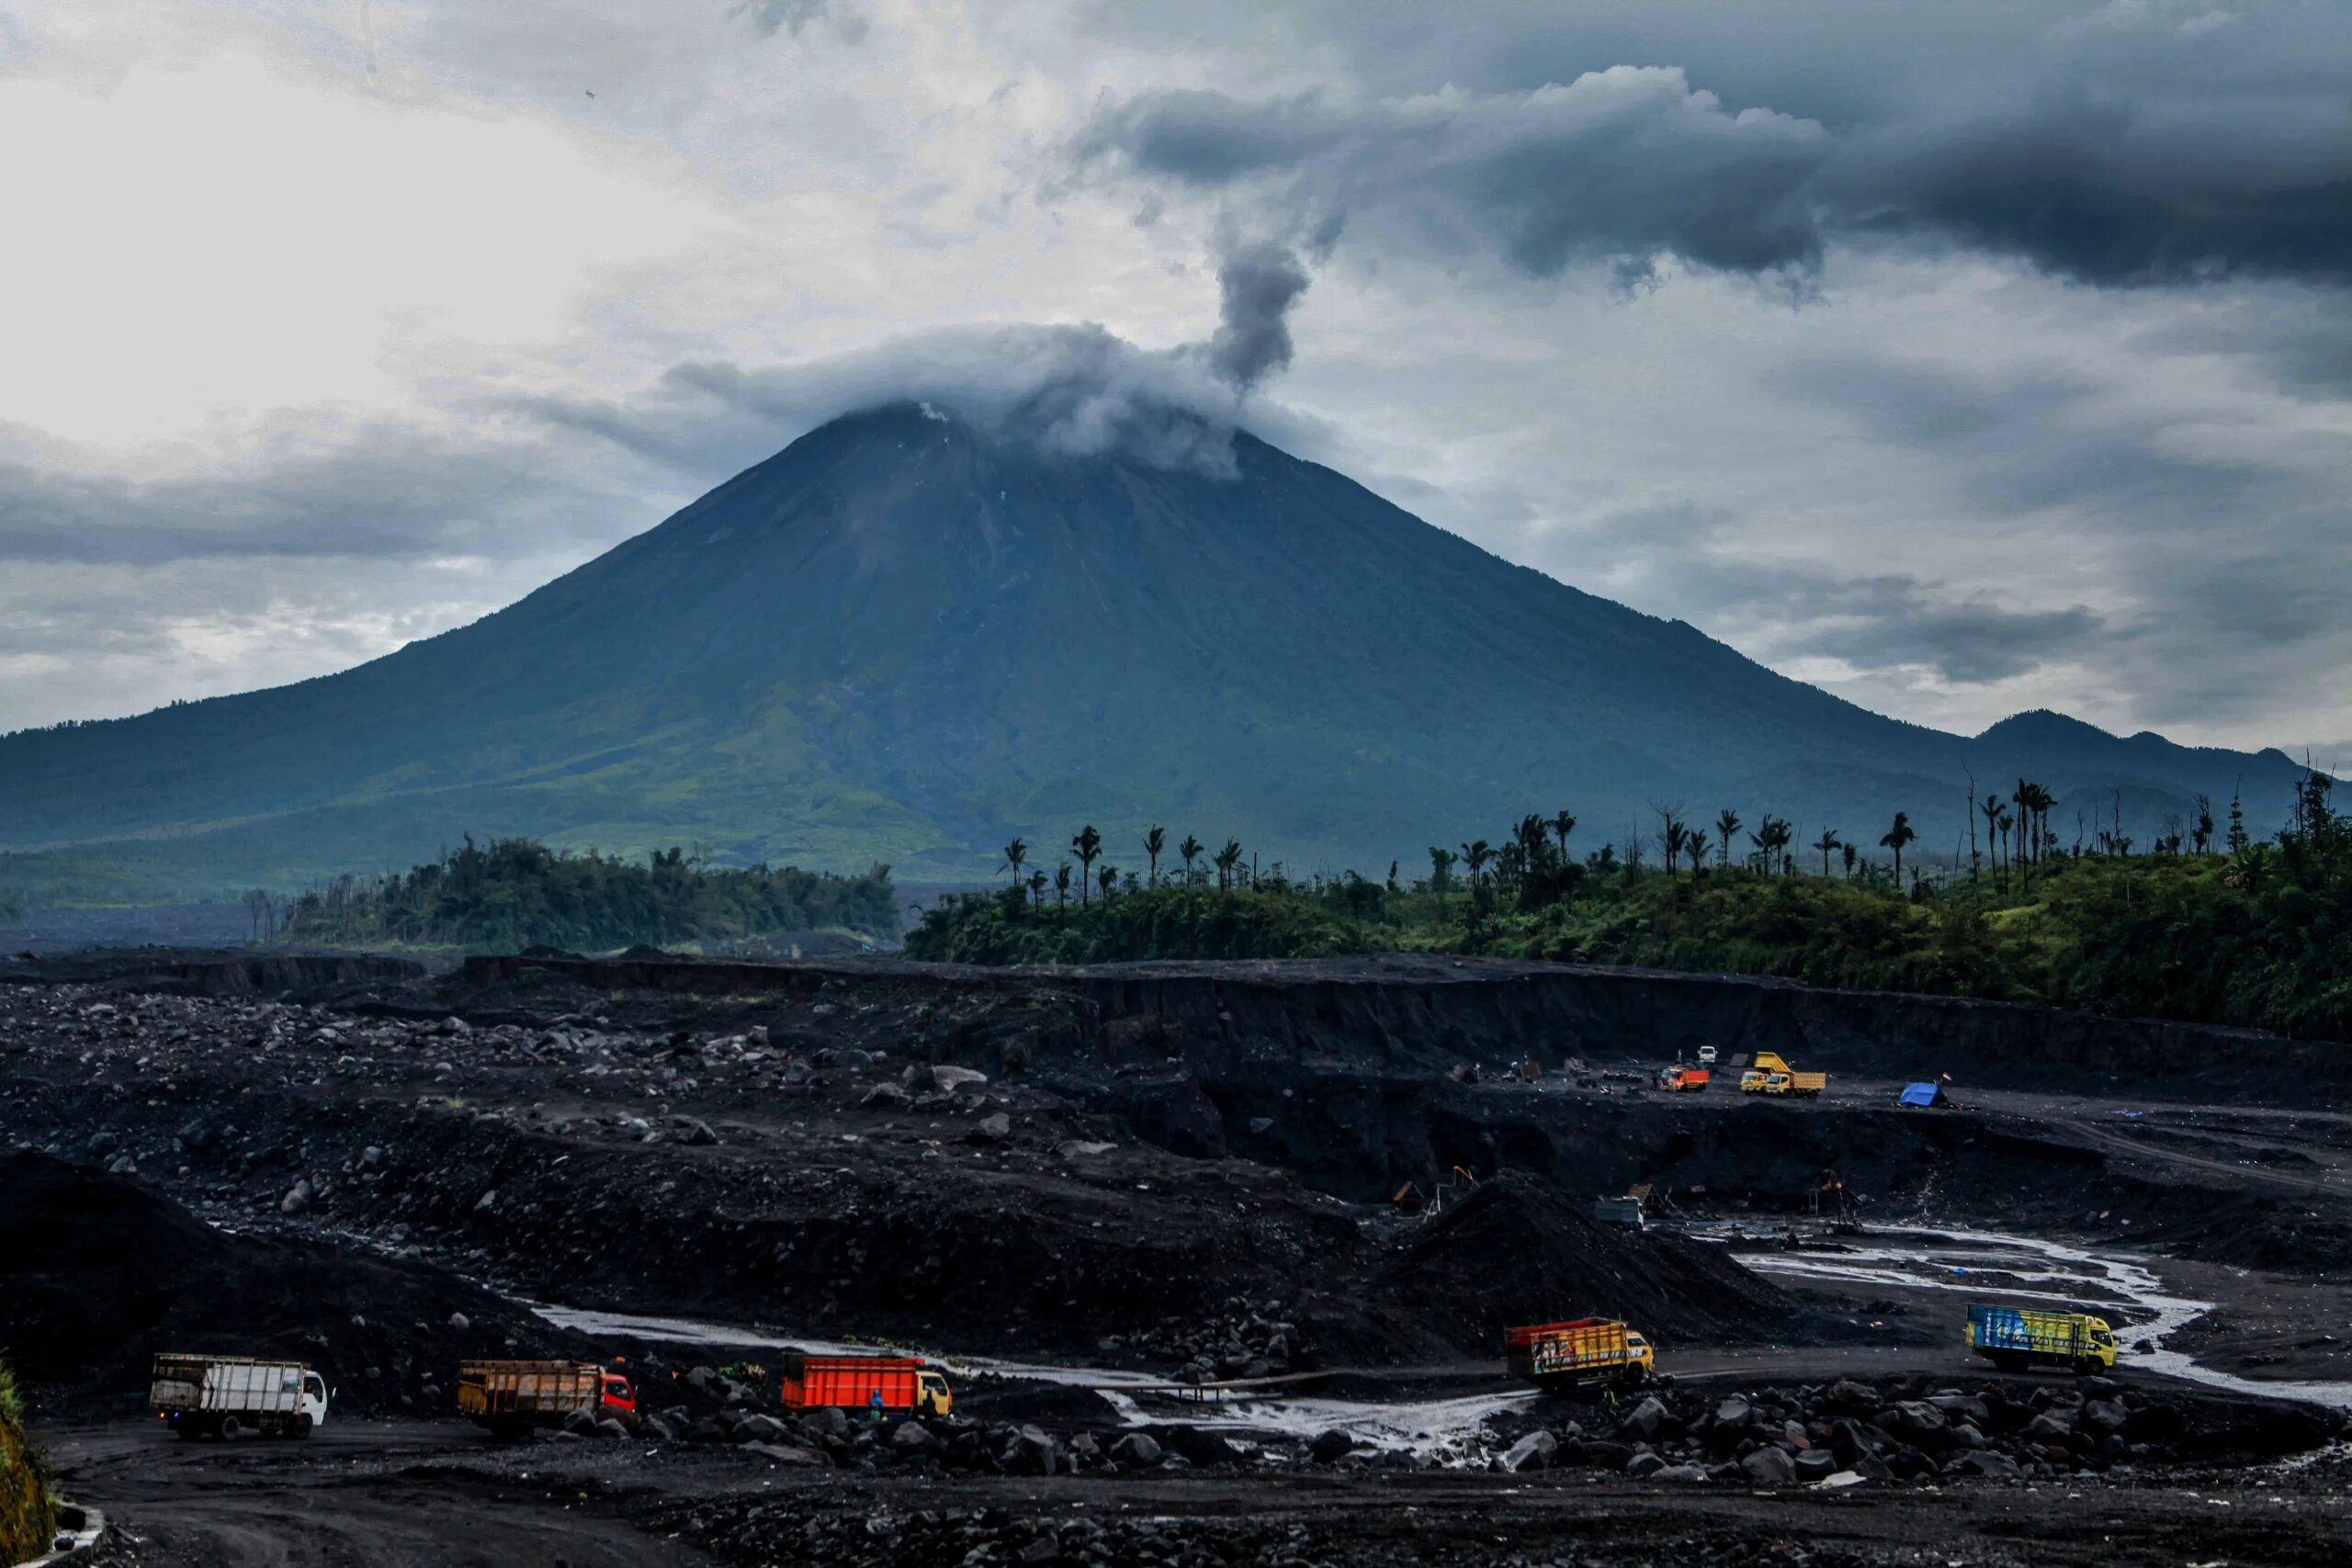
(912, 637)
(1097, 1168)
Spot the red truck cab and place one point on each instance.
(617, 1393)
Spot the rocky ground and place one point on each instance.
(371, 1167)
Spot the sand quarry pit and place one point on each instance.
(1089, 1193)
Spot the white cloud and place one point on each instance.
(195, 242)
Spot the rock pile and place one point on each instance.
(1242, 1339)
(1846, 1433)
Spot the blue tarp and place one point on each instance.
(1921, 1094)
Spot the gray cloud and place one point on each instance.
(2150, 144)
(1898, 621)
(382, 492)
(1257, 283)
(1628, 162)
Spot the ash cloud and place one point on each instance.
(1070, 390)
(1257, 284)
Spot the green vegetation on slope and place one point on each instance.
(516, 892)
(27, 1513)
(2259, 936)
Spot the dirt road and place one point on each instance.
(373, 1494)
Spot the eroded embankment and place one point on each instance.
(1410, 1010)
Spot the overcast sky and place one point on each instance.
(1960, 358)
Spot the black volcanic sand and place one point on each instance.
(99, 1272)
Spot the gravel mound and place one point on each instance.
(1518, 1251)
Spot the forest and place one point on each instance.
(2208, 924)
(513, 892)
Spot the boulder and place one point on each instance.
(1646, 1420)
(1030, 1452)
(1681, 1472)
(761, 1430)
(611, 1428)
(1642, 1466)
(1533, 1451)
(1734, 1411)
(1815, 1464)
(1329, 1446)
(913, 1438)
(1137, 1450)
(578, 1423)
(827, 1422)
(992, 1129)
(1985, 1462)
(1770, 1466)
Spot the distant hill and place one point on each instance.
(909, 638)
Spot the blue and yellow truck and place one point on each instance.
(2014, 1339)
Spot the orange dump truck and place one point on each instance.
(907, 1385)
(1683, 1080)
(1579, 1354)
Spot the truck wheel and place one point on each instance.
(231, 1429)
(303, 1424)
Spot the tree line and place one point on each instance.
(513, 892)
(2206, 922)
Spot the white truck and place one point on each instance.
(236, 1396)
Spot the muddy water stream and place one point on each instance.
(1981, 1264)
(1988, 1266)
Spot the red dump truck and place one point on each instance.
(908, 1384)
(1581, 1353)
(511, 1397)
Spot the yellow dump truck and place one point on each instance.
(2014, 1339)
(1770, 1074)
(1581, 1353)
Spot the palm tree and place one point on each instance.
(1826, 842)
(1475, 855)
(1991, 809)
(1564, 823)
(1227, 859)
(1895, 839)
(1727, 824)
(1191, 849)
(1779, 830)
(1037, 888)
(1061, 884)
(1109, 877)
(1849, 854)
(1152, 842)
(1534, 836)
(1089, 844)
(1671, 835)
(1695, 846)
(1014, 853)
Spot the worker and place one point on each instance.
(873, 1406)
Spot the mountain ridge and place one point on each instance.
(907, 638)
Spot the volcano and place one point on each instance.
(910, 637)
